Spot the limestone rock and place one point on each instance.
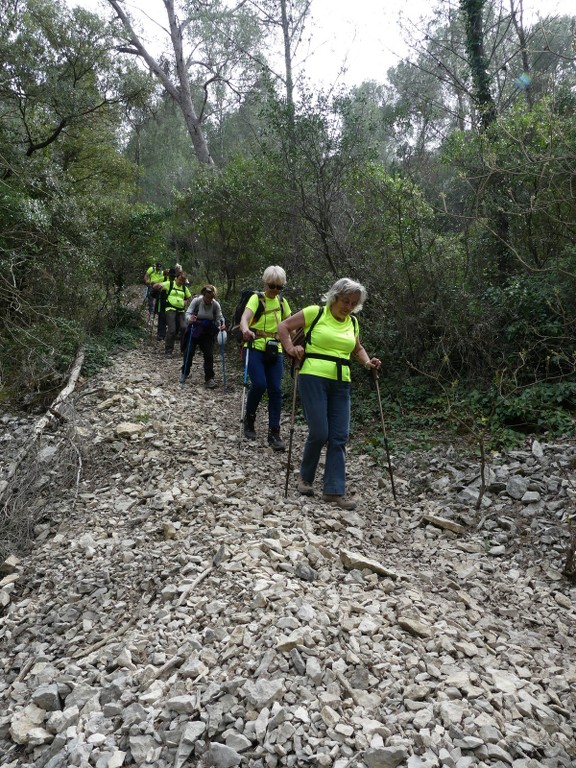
(176, 609)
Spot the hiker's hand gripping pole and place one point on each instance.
(374, 373)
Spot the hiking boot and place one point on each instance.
(249, 431)
(274, 440)
(340, 501)
(211, 384)
(305, 488)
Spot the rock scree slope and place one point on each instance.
(176, 610)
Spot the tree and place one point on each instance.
(212, 47)
(61, 98)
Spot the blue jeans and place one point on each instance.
(264, 377)
(326, 406)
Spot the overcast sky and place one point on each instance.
(362, 36)
(367, 34)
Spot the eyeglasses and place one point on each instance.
(275, 287)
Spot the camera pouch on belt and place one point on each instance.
(271, 351)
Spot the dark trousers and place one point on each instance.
(162, 316)
(205, 343)
(153, 296)
(175, 322)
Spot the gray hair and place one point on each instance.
(274, 275)
(345, 287)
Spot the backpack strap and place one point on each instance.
(340, 361)
(308, 335)
(260, 308)
(169, 292)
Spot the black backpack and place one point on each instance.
(245, 296)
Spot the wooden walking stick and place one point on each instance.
(375, 377)
(292, 417)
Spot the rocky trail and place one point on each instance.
(176, 610)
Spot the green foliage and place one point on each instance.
(161, 148)
(70, 240)
(124, 332)
(540, 408)
(419, 414)
(227, 224)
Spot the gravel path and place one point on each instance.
(176, 610)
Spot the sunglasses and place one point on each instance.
(275, 287)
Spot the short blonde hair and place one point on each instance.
(345, 287)
(274, 274)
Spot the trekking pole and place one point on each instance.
(222, 336)
(183, 376)
(245, 384)
(288, 465)
(375, 377)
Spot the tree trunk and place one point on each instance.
(474, 25)
(179, 91)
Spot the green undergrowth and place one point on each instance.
(125, 331)
(35, 359)
(419, 416)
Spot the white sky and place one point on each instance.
(366, 34)
(362, 36)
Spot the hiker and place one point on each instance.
(177, 296)
(263, 353)
(154, 274)
(324, 382)
(203, 321)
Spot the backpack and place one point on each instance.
(245, 296)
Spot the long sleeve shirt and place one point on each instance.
(212, 311)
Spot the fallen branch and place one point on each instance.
(44, 421)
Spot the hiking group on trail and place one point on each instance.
(320, 339)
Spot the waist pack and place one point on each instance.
(271, 351)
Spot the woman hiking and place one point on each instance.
(203, 321)
(331, 336)
(263, 353)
